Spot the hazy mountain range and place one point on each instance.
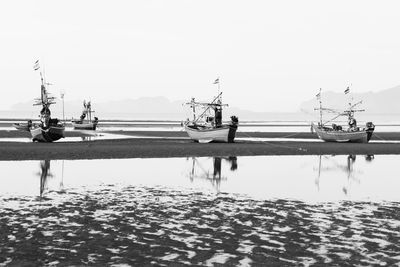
(382, 102)
(153, 108)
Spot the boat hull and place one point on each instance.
(330, 135)
(224, 134)
(21, 126)
(51, 134)
(84, 126)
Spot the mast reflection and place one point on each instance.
(215, 176)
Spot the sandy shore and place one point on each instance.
(182, 147)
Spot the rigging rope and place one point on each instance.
(277, 145)
(374, 134)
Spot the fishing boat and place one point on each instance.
(48, 129)
(208, 127)
(337, 133)
(85, 121)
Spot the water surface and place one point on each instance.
(286, 210)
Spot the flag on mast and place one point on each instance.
(216, 81)
(318, 95)
(36, 66)
(347, 90)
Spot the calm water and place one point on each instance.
(283, 210)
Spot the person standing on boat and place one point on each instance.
(352, 123)
(218, 114)
(45, 116)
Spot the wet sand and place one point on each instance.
(112, 225)
(181, 146)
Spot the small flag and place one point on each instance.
(216, 81)
(318, 95)
(347, 90)
(36, 65)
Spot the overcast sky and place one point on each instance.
(269, 55)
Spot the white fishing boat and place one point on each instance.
(204, 134)
(85, 122)
(209, 127)
(48, 130)
(337, 133)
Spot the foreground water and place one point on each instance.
(286, 210)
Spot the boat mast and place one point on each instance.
(350, 102)
(194, 109)
(90, 111)
(219, 90)
(217, 81)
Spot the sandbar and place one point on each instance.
(177, 144)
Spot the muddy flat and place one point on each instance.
(181, 147)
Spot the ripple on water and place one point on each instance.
(120, 226)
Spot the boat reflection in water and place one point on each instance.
(45, 174)
(215, 177)
(336, 175)
(310, 178)
(347, 168)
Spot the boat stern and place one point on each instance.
(370, 127)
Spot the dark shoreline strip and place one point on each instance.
(161, 148)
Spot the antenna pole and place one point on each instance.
(320, 107)
(351, 105)
(90, 111)
(62, 97)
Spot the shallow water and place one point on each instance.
(285, 210)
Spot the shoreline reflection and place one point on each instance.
(305, 178)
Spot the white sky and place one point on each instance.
(270, 55)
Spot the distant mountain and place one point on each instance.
(144, 108)
(382, 102)
(161, 108)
